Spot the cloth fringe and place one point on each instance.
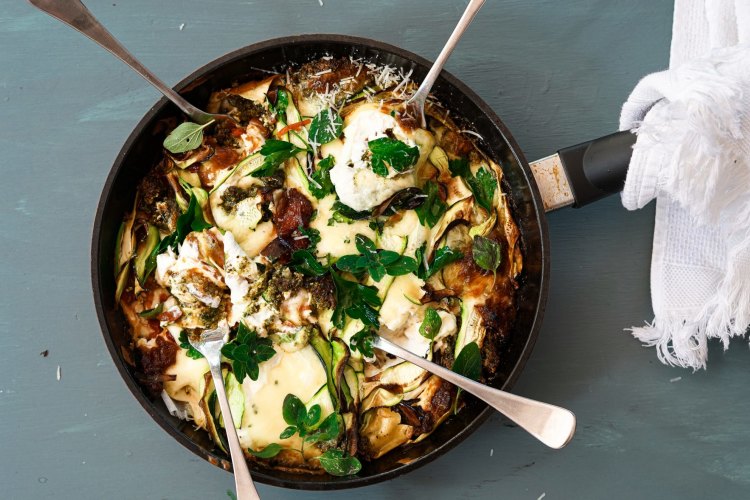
(702, 131)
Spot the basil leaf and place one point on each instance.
(443, 256)
(460, 167)
(152, 313)
(322, 176)
(329, 429)
(246, 352)
(337, 463)
(293, 410)
(365, 245)
(269, 451)
(433, 208)
(312, 417)
(288, 432)
(355, 301)
(186, 137)
(404, 265)
(483, 186)
(486, 253)
(325, 127)
(192, 352)
(469, 362)
(191, 220)
(430, 324)
(275, 153)
(387, 152)
(362, 342)
(354, 264)
(376, 262)
(303, 261)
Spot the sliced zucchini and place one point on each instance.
(405, 375)
(334, 355)
(145, 248)
(382, 431)
(472, 329)
(323, 399)
(352, 383)
(236, 398)
(461, 210)
(381, 396)
(122, 281)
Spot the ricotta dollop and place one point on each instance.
(356, 184)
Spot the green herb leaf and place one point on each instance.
(387, 152)
(337, 463)
(486, 253)
(322, 176)
(246, 352)
(269, 451)
(483, 186)
(328, 430)
(288, 432)
(362, 342)
(355, 301)
(312, 417)
(192, 352)
(443, 256)
(293, 410)
(325, 127)
(191, 220)
(313, 237)
(231, 495)
(433, 208)
(186, 137)
(469, 362)
(460, 167)
(430, 324)
(152, 313)
(282, 101)
(306, 263)
(376, 262)
(275, 153)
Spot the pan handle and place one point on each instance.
(581, 174)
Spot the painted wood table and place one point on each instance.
(556, 72)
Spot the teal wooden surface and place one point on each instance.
(556, 72)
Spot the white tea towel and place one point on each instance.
(693, 156)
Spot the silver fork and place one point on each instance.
(210, 344)
(415, 105)
(552, 425)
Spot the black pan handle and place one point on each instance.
(597, 168)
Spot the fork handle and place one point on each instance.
(242, 480)
(77, 16)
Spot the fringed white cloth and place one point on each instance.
(693, 156)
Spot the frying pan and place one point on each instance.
(593, 170)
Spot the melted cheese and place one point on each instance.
(407, 227)
(399, 308)
(337, 239)
(300, 373)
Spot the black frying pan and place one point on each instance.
(143, 149)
